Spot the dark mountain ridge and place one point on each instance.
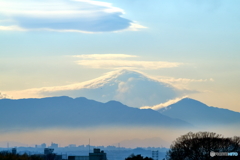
(200, 114)
(78, 112)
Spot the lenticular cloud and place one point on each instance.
(63, 16)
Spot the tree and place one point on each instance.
(198, 146)
(137, 157)
(50, 156)
(10, 156)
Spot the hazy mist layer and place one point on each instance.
(103, 136)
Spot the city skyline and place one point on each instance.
(11, 144)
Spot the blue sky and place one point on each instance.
(195, 42)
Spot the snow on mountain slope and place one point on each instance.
(129, 87)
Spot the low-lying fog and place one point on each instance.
(103, 136)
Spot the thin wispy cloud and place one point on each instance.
(117, 61)
(110, 64)
(183, 83)
(161, 105)
(185, 80)
(63, 16)
(3, 95)
(104, 56)
(12, 28)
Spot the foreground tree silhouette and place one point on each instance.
(197, 146)
(137, 157)
(10, 156)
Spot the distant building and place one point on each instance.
(54, 145)
(155, 155)
(48, 151)
(43, 145)
(111, 147)
(64, 157)
(72, 145)
(96, 155)
(81, 146)
(78, 157)
(14, 150)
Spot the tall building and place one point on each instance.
(155, 155)
(72, 145)
(96, 155)
(48, 151)
(14, 150)
(54, 145)
(43, 145)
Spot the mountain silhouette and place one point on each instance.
(200, 114)
(129, 87)
(78, 112)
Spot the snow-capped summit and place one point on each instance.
(130, 87)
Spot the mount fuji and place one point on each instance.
(129, 87)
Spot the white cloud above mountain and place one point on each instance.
(85, 16)
(110, 64)
(104, 56)
(117, 61)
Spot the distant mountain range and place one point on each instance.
(78, 112)
(81, 112)
(200, 114)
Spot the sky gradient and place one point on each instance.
(191, 44)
